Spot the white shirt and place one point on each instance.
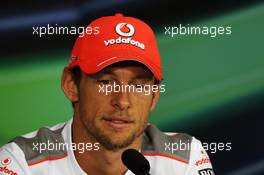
(168, 154)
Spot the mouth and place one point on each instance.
(118, 122)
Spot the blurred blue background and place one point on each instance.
(214, 86)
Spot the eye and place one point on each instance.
(104, 81)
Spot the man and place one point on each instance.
(107, 79)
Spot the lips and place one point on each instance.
(118, 122)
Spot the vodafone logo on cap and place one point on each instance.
(6, 161)
(125, 29)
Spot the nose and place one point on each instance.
(121, 100)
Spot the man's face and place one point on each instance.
(116, 119)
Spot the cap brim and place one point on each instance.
(111, 58)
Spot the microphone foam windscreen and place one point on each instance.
(135, 161)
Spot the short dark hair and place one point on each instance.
(76, 74)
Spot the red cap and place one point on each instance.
(117, 38)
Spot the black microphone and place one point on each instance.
(135, 162)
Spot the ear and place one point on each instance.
(68, 85)
(155, 98)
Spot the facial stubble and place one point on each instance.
(112, 139)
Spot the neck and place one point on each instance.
(98, 161)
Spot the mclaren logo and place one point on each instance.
(124, 29)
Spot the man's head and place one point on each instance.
(115, 119)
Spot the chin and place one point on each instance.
(117, 141)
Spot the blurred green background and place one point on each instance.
(200, 73)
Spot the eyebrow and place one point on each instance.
(139, 76)
(107, 72)
(142, 76)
